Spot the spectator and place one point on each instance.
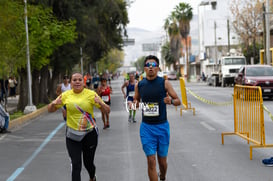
(12, 86)
(4, 84)
(4, 120)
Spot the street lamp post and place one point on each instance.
(30, 107)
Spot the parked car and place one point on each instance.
(257, 75)
(213, 80)
(172, 75)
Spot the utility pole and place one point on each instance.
(267, 33)
(30, 107)
(228, 34)
(215, 44)
(264, 35)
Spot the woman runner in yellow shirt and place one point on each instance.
(81, 129)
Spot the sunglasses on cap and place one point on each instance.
(153, 64)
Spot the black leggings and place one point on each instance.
(87, 147)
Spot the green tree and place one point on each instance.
(167, 54)
(46, 33)
(183, 13)
(100, 26)
(112, 61)
(12, 44)
(172, 28)
(139, 63)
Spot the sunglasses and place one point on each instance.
(148, 64)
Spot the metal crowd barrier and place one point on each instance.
(185, 103)
(249, 116)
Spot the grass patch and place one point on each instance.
(40, 106)
(16, 115)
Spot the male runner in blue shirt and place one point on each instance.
(152, 94)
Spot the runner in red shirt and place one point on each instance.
(104, 92)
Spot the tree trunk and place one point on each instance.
(35, 86)
(23, 89)
(52, 85)
(43, 86)
(187, 59)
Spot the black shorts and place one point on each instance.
(108, 103)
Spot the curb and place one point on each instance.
(21, 120)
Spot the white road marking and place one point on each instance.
(208, 126)
(2, 137)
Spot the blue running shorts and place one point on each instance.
(155, 138)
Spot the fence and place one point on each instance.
(248, 116)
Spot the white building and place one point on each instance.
(215, 32)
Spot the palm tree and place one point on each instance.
(183, 14)
(167, 54)
(171, 27)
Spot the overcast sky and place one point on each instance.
(150, 14)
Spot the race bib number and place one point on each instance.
(151, 109)
(131, 93)
(105, 98)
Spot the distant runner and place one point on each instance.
(129, 96)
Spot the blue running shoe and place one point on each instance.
(268, 162)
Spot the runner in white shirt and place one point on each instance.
(62, 88)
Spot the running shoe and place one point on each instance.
(134, 120)
(159, 177)
(94, 179)
(268, 162)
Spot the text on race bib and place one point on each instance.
(105, 98)
(131, 93)
(151, 109)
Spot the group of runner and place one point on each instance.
(81, 130)
(102, 89)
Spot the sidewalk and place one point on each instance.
(12, 107)
(12, 104)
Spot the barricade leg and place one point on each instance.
(257, 146)
(226, 133)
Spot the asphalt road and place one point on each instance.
(37, 151)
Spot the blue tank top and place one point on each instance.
(152, 93)
(130, 88)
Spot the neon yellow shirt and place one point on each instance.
(78, 108)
